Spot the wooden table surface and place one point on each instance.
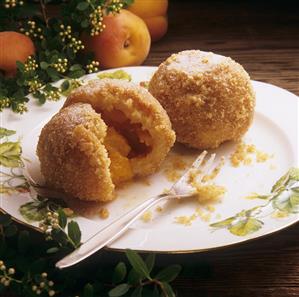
(264, 38)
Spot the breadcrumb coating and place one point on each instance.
(209, 98)
(72, 155)
(131, 108)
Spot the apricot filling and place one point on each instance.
(124, 141)
(118, 150)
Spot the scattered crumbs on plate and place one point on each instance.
(278, 214)
(159, 209)
(209, 192)
(185, 220)
(147, 216)
(174, 167)
(200, 213)
(215, 171)
(210, 208)
(104, 213)
(244, 155)
(203, 215)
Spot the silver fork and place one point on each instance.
(181, 189)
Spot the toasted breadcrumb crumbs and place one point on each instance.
(208, 193)
(242, 155)
(185, 220)
(159, 209)
(104, 213)
(210, 208)
(204, 216)
(147, 216)
(215, 171)
(174, 167)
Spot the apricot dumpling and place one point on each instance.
(108, 132)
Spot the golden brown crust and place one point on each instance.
(72, 155)
(139, 106)
(209, 98)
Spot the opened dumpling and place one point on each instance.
(107, 132)
(134, 114)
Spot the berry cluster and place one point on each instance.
(21, 108)
(116, 6)
(93, 66)
(12, 3)
(61, 65)
(30, 64)
(33, 30)
(49, 223)
(67, 37)
(34, 85)
(43, 286)
(6, 274)
(4, 102)
(96, 21)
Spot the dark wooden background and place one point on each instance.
(264, 37)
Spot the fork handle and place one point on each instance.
(109, 233)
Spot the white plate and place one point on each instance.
(274, 131)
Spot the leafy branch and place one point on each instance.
(27, 269)
(59, 49)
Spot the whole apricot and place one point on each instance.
(125, 41)
(154, 13)
(14, 47)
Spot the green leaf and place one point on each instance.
(82, 6)
(84, 24)
(150, 262)
(246, 226)
(75, 67)
(120, 273)
(62, 219)
(65, 85)
(77, 73)
(23, 241)
(52, 250)
(5, 132)
(20, 66)
(134, 278)
(10, 230)
(138, 264)
(223, 224)
(10, 153)
(74, 232)
(137, 292)
(168, 274)
(119, 290)
(88, 290)
(33, 211)
(53, 73)
(167, 289)
(44, 65)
